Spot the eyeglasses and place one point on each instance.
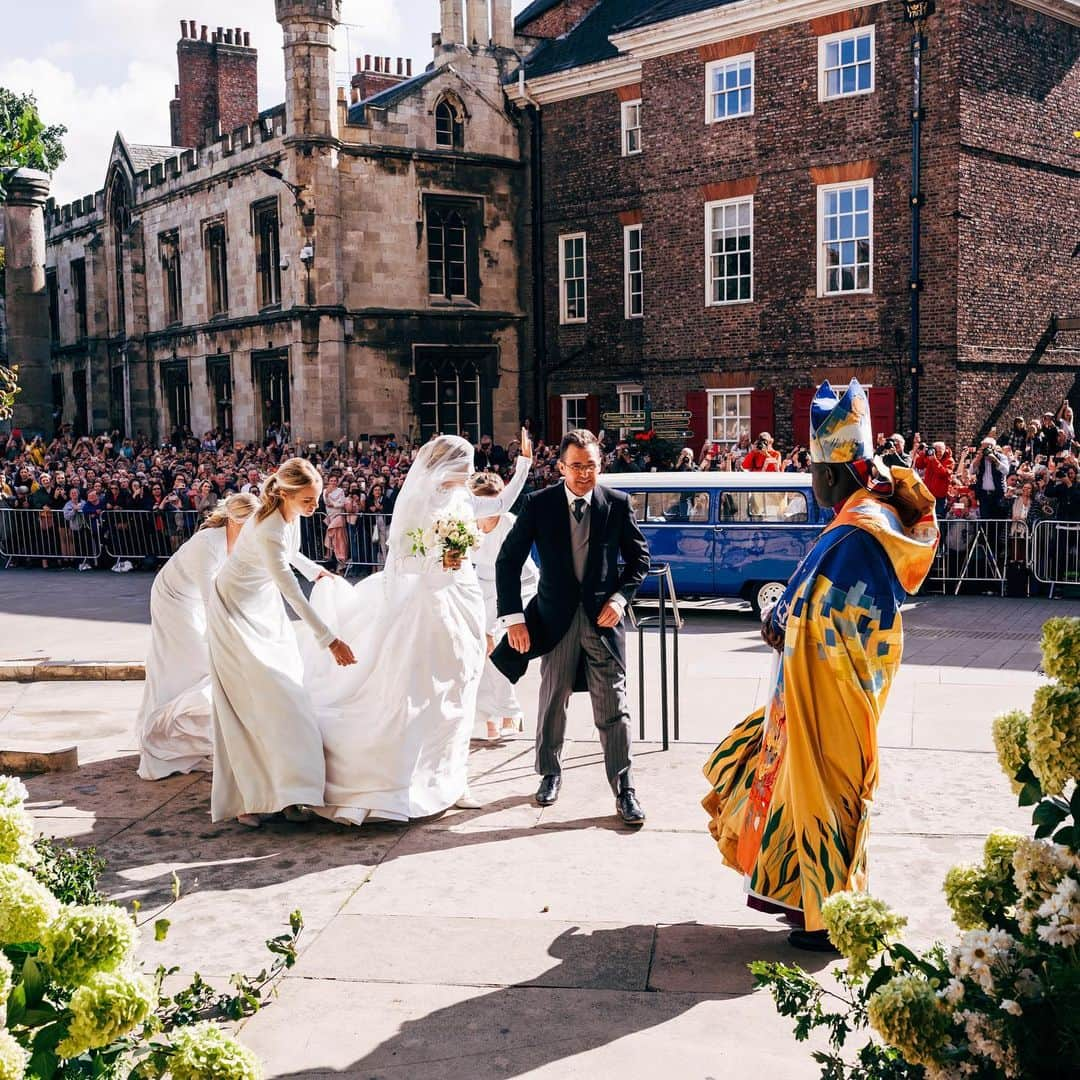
(582, 470)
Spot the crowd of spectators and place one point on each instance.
(1025, 474)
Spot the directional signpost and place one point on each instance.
(667, 424)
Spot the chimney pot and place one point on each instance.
(408, 67)
(359, 65)
(400, 65)
(183, 28)
(204, 32)
(378, 63)
(228, 36)
(247, 39)
(386, 64)
(220, 34)
(354, 93)
(341, 95)
(236, 38)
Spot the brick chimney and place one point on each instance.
(218, 82)
(375, 74)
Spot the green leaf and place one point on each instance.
(161, 929)
(1030, 794)
(1074, 803)
(16, 1006)
(42, 1065)
(175, 886)
(33, 982)
(1067, 837)
(880, 977)
(1048, 814)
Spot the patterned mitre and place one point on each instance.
(840, 431)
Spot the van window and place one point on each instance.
(671, 507)
(760, 507)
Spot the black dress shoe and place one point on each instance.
(548, 791)
(812, 941)
(627, 805)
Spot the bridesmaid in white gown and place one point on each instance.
(496, 702)
(396, 728)
(173, 725)
(268, 753)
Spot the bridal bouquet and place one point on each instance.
(452, 538)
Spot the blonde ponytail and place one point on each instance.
(237, 508)
(292, 476)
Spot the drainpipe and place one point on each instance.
(536, 194)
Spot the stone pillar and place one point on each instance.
(452, 25)
(27, 299)
(477, 33)
(310, 98)
(502, 24)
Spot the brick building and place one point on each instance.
(351, 267)
(723, 200)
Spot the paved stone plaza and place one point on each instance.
(512, 941)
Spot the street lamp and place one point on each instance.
(916, 13)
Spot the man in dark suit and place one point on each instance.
(575, 622)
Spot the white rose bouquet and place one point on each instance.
(452, 538)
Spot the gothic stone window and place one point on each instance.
(176, 387)
(78, 296)
(454, 393)
(169, 250)
(453, 239)
(217, 267)
(219, 377)
(449, 129)
(264, 220)
(120, 210)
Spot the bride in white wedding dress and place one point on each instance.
(396, 726)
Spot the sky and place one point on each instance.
(102, 66)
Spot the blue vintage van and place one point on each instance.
(738, 534)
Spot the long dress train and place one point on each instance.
(267, 748)
(173, 725)
(396, 725)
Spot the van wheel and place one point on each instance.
(764, 595)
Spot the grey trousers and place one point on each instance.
(607, 689)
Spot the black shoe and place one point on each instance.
(627, 805)
(548, 791)
(812, 941)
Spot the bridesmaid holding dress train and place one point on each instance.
(268, 751)
(174, 719)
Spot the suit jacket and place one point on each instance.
(545, 522)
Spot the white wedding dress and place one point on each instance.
(496, 699)
(268, 751)
(396, 725)
(173, 726)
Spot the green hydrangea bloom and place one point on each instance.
(12, 791)
(907, 1013)
(16, 836)
(205, 1052)
(968, 893)
(1061, 650)
(108, 1006)
(859, 926)
(13, 1058)
(1010, 741)
(26, 906)
(86, 939)
(1053, 736)
(998, 852)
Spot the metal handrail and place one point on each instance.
(665, 589)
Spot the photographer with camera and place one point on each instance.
(935, 463)
(990, 467)
(764, 457)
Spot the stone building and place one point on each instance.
(724, 204)
(350, 267)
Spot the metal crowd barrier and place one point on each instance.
(1054, 550)
(661, 620)
(978, 550)
(146, 534)
(47, 535)
(362, 539)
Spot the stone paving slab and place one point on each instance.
(481, 952)
(416, 1032)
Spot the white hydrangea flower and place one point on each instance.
(978, 953)
(12, 791)
(953, 992)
